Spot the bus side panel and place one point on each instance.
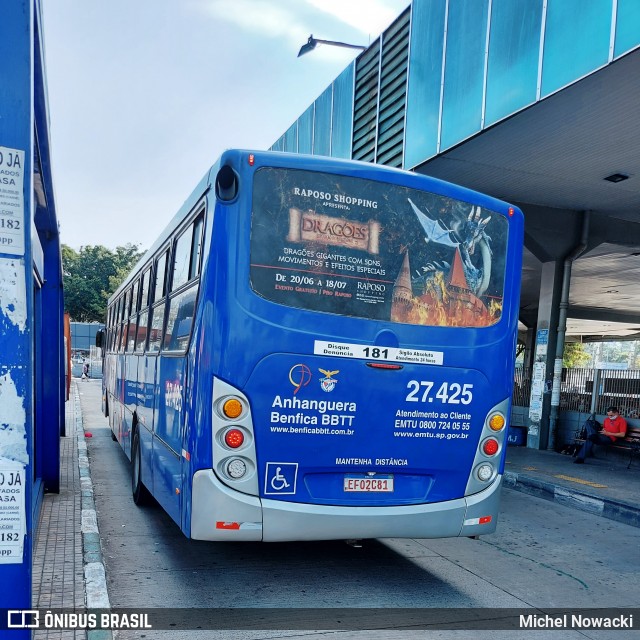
(167, 441)
(145, 391)
(198, 416)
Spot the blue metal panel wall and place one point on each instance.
(291, 138)
(576, 41)
(322, 123)
(16, 132)
(50, 415)
(471, 64)
(463, 71)
(342, 116)
(627, 26)
(305, 131)
(514, 52)
(83, 335)
(278, 145)
(425, 77)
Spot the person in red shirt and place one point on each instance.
(615, 426)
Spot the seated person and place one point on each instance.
(615, 426)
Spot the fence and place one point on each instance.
(521, 388)
(93, 359)
(619, 388)
(613, 387)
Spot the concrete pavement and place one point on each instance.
(603, 485)
(68, 570)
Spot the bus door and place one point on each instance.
(167, 436)
(145, 412)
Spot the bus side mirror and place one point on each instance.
(100, 339)
(226, 184)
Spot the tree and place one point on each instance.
(575, 355)
(91, 275)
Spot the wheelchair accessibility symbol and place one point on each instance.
(281, 478)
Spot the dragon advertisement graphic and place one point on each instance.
(361, 248)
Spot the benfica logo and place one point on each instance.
(328, 383)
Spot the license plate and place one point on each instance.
(369, 485)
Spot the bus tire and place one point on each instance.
(113, 437)
(139, 492)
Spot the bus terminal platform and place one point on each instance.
(68, 571)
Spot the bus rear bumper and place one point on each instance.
(220, 513)
(283, 521)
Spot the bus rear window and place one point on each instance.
(374, 250)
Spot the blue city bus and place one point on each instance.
(319, 349)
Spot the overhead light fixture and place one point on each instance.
(617, 177)
(312, 43)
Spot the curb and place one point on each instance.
(96, 595)
(617, 510)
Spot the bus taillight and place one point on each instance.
(236, 468)
(490, 447)
(234, 438)
(484, 472)
(497, 422)
(232, 408)
(384, 365)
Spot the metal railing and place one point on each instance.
(614, 387)
(521, 388)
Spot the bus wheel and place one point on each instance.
(113, 437)
(138, 490)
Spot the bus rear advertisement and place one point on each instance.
(319, 349)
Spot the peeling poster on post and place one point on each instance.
(11, 201)
(13, 519)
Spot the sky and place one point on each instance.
(144, 95)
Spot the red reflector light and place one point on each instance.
(252, 159)
(490, 447)
(511, 211)
(234, 438)
(384, 365)
(484, 520)
(228, 525)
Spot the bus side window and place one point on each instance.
(196, 249)
(141, 334)
(143, 317)
(131, 334)
(156, 312)
(124, 321)
(115, 325)
(133, 319)
(155, 327)
(180, 319)
(182, 258)
(186, 267)
(160, 288)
